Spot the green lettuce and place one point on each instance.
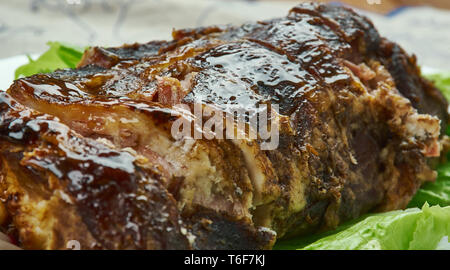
(442, 81)
(438, 192)
(435, 193)
(411, 229)
(59, 55)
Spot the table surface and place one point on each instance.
(385, 6)
(26, 25)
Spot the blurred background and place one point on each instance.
(421, 27)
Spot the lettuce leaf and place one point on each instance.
(411, 229)
(438, 192)
(59, 55)
(442, 81)
(435, 193)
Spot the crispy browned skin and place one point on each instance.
(358, 126)
(81, 188)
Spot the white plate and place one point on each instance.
(8, 67)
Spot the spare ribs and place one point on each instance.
(87, 154)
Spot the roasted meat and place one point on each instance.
(88, 154)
